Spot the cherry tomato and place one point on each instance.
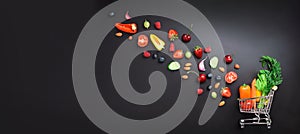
(247, 105)
(202, 78)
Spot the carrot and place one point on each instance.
(253, 92)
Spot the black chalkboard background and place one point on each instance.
(38, 39)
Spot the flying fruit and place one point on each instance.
(225, 92)
(188, 54)
(127, 17)
(214, 62)
(146, 24)
(178, 54)
(200, 91)
(142, 40)
(202, 78)
(173, 66)
(228, 59)
(157, 25)
(127, 28)
(157, 42)
(146, 54)
(186, 38)
(172, 47)
(198, 51)
(172, 34)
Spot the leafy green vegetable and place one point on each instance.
(268, 78)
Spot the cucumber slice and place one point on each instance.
(173, 66)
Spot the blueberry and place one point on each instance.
(210, 75)
(154, 56)
(218, 78)
(111, 14)
(209, 87)
(161, 59)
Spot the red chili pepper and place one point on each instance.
(127, 28)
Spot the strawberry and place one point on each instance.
(173, 34)
(198, 51)
(226, 92)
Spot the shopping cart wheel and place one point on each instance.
(242, 125)
(269, 126)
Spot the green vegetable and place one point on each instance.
(268, 78)
(173, 66)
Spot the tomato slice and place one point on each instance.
(230, 77)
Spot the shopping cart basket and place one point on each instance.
(260, 106)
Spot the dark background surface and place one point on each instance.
(38, 39)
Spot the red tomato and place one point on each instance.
(230, 77)
(142, 41)
(202, 78)
(247, 105)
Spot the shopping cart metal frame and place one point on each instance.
(265, 111)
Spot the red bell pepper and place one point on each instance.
(127, 28)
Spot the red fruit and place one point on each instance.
(172, 47)
(157, 25)
(207, 49)
(200, 91)
(202, 78)
(246, 105)
(186, 38)
(198, 51)
(225, 92)
(173, 34)
(127, 28)
(178, 54)
(142, 40)
(146, 54)
(228, 59)
(230, 77)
